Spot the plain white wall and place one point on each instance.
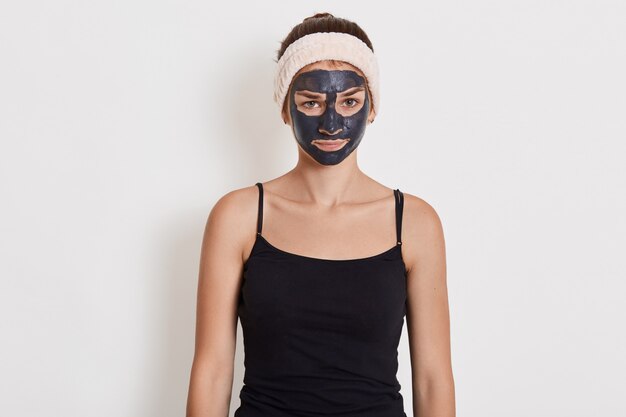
(123, 122)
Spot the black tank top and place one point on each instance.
(321, 335)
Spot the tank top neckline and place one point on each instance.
(399, 200)
(261, 238)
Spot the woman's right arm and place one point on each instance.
(221, 268)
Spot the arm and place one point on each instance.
(216, 309)
(428, 322)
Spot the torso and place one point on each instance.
(322, 321)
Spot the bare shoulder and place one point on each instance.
(422, 230)
(232, 220)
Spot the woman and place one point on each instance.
(337, 261)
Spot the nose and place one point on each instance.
(330, 122)
(326, 132)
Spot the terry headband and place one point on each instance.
(322, 46)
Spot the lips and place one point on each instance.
(329, 145)
(329, 141)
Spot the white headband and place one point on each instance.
(322, 46)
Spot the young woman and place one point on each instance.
(336, 263)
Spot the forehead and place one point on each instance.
(324, 80)
(328, 64)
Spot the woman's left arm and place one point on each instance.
(428, 318)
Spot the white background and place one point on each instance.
(123, 122)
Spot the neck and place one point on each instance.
(327, 185)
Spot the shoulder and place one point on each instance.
(422, 230)
(418, 211)
(233, 206)
(232, 219)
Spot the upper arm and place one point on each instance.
(428, 323)
(219, 279)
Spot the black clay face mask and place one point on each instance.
(329, 111)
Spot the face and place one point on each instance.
(329, 110)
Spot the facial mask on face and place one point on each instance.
(330, 118)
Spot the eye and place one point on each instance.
(309, 104)
(353, 100)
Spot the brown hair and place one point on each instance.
(322, 22)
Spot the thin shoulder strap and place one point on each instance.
(259, 220)
(399, 206)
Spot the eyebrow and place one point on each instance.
(309, 94)
(353, 90)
